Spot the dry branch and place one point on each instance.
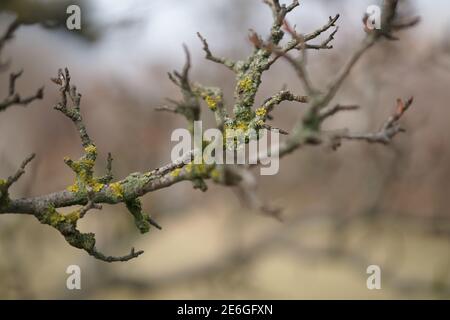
(89, 191)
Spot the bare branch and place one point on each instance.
(90, 204)
(335, 84)
(272, 128)
(133, 254)
(299, 64)
(72, 112)
(328, 112)
(15, 177)
(109, 176)
(189, 107)
(386, 133)
(7, 36)
(246, 190)
(405, 23)
(331, 23)
(281, 96)
(167, 109)
(230, 64)
(14, 98)
(325, 44)
(300, 42)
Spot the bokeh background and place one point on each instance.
(343, 210)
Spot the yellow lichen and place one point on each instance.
(116, 189)
(241, 126)
(73, 188)
(73, 216)
(261, 112)
(83, 176)
(196, 170)
(88, 163)
(96, 186)
(212, 102)
(176, 172)
(55, 218)
(215, 174)
(245, 84)
(91, 149)
(83, 169)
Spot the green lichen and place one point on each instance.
(248, 82)
(85, 241)
(67, 226)
(131, 185)
(140, 219)
(4, 197)
(200, 184)
(312, 122)
(55, 219)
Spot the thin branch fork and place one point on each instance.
(15, 98)
(388, 21)
(281, 96)
(300, 42)
(189, 106)
(7, 36)
(230, 64)
(390, 128)
(72, 112)
(325, 44)
(90, 204)
(279, 13)
(329, 112)
(15, 177)
(299, 63)
(330, 24)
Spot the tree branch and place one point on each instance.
(89, 191)
(230, 64)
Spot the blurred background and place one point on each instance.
(343, 210)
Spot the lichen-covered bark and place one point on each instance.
(89, 191)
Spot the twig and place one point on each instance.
(230, 64)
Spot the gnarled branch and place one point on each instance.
(89, 191)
